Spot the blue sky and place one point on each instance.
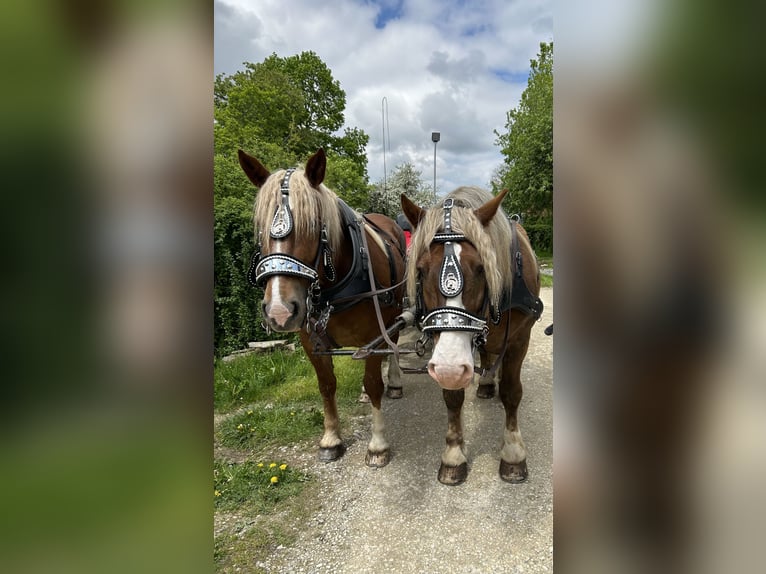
(453, 66)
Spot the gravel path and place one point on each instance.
(400, 519)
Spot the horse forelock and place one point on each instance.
(310, 208)
(492, 242)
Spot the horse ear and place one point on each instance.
(413, 213)
(487, 211)
(315, 168)
(253, 169)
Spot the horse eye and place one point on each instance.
(479, 269)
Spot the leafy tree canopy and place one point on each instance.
(528, 146)
(282, 110)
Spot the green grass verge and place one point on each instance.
(262, 486)
(269, 400)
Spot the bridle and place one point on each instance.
(451, 282)
(275, 264)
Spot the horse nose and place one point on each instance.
(451, 377)
(281, 312)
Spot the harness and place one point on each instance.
(451, 281)
(323, 300)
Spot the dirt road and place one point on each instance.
(400, 519)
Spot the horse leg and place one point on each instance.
(513, 457)
(394, 388)
(331, 446)
(486, 388)
(454, 466)
(378, 453)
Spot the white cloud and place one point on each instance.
(440, 64)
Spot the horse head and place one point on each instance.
(291, 226)
(454, 278)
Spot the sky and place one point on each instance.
(452, 66)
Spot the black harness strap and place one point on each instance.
(520, 297)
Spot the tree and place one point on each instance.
(281, 110)
(404, 180)
(528, 148)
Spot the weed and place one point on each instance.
(259, 485)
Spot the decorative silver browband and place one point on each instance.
(453, 319)
(282, 264)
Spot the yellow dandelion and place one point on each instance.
(217, 493)
(249, 412)
(292, 414)
(240, 426)
(274, 479)
(272, 465)
(283, 467)
(260, 465)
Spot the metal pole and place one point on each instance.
(434, 169)
(383, 109)
(435, 136)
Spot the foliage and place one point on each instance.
(528, 150)
(540, 236)
(280, 110)
(404, 180)
(235, 301)
(260, 485)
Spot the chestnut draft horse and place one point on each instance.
(332, 274)
(475, 280)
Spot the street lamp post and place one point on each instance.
(435, 136)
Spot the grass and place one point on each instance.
(261, 486)
(265, 401)
(545, 259)
(265, 425)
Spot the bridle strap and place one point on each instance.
(283, 264)
(282, 224)
(491, 371)
(453, 319)
(451, 276)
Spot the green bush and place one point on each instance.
(541, 236)
(236, 315)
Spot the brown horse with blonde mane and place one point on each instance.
(332, 274)
(475, 280)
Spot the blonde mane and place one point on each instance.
(493, 243)
(310, 208)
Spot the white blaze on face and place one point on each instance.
(451, 363)
(277, 309)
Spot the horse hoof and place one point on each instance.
(377, 459)
(363, 398)
(394, 392)
(514, 472)
(329, 454)
(453, 475)
(486, 391)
